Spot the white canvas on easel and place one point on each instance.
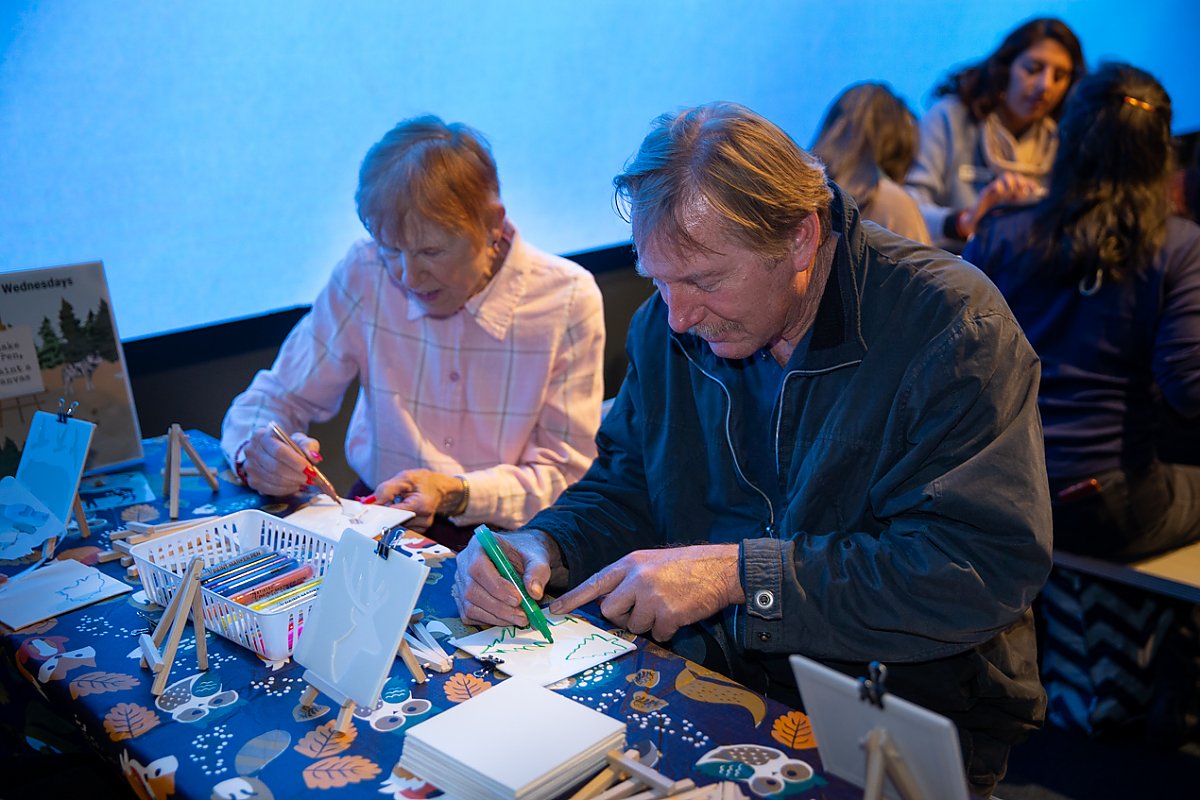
(842, 722)
(350, 642)
(52, 461)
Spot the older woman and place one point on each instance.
(992, 138)
(1106, 284)
(479, 356)
(868, 140)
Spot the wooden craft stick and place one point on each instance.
(173, 510)
(186, 441)
(649, 776)
(167, 461)
(105, 556)
(601, 781)
(410, 661)
(198, 622)
(81, 517)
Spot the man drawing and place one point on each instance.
(827, 443)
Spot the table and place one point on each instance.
(237, 730)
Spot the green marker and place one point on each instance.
(536, 618)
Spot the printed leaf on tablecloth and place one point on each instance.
(260, 751)
(100, 682)
(463, 686)
(325, 741)
(84, 555)
(333, 773)
(794, 730)
(644, 702)
(128, 721)
(646, 678)
(704, 685)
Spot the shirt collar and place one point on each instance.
(494, 306)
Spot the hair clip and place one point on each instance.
(1136, 103)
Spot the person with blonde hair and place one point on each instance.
(479, 357)
(867, 141)
(827, 443)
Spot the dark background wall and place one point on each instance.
(192, 376)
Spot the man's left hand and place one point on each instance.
(660, 591)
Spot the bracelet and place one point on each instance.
(239, 463)
(461, 508)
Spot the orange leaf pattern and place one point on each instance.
(333, 773)
(794, 730)
(100, 682)
(128, 721)
(464, 686)
(325, 741)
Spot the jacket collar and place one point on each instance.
(835, 338)
(494, 307)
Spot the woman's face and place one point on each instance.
(1037, 81)
(438, 269)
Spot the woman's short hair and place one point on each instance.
(442, 172)
(745, 168)
(868, 133)
(1108, 201)
(981, 86)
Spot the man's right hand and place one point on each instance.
(486, 598)
(272, 468)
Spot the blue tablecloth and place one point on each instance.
(237, 729)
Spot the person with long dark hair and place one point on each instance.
(868, 140)
(992, 137)
(1106, 283)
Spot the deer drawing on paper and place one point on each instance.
(80, 369)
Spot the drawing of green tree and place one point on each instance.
(50, 352)
(100, 333)
(75, 343)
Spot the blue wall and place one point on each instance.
(207, 152)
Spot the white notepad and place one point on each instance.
(517, 741)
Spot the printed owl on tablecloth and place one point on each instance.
(198, 697)
(766, 771)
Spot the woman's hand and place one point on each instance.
(1008, 188)
(423, 492)
(270, 467)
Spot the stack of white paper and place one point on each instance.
(517, 741)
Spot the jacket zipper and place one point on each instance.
(770, 526)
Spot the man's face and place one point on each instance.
(735, 299)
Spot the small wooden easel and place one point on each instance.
(81, 517)
(318, 685)
(883, 757)
(347, 705)
(172, 470)
(187, 600)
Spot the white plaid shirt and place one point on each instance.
(506, 391)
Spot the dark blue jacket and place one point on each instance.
(910, 520)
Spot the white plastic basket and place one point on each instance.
(161, 563)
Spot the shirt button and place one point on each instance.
(454, 376)
(764, 600)
(448, 441)
(764, 637)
